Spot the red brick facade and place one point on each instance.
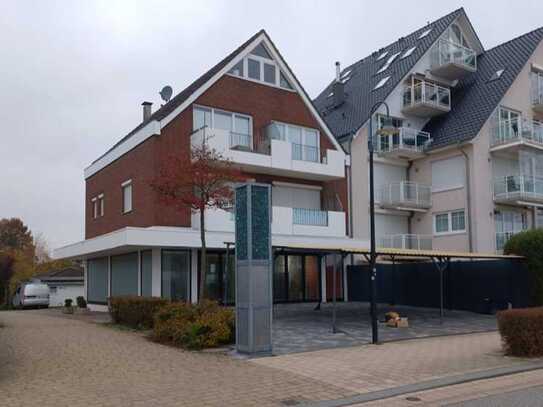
(263, 103)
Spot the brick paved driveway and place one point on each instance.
(51, 361)
(48, 361)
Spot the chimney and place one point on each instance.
(339, 88)
(146, 110)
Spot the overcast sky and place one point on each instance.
(74, 73)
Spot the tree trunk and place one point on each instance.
(203, 258)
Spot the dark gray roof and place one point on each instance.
(71, 272)
(178, 99)
(360, 96)
(475, 97)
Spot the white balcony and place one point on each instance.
(407, 241)
(518, 190)
(285, 221)
(405, 195)
(407, 143)
(277, 158)
(452, 61)
(512, 134)
(425, 99)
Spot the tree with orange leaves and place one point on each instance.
(203, 182)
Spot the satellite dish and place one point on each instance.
(166, 93)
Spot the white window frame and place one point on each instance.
(101, 205)
(234, 115)
(261, 61)
(124, 186)
(449, 223)
(94, 202)
(303, 129)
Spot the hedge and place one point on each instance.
(522, 331)
(194, 326)
(135, 312)
(529, 244)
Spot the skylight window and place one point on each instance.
(425, 33)
(382, 82)
(384, 54)
(409, 52)
(346, 73)
(388, 62)
(496, 75)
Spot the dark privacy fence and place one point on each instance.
(478, 286)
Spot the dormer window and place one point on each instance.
(260, 66)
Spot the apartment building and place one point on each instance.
(252, 109)
(464, 169)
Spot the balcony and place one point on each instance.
(452, 61)
(407, 241)
(425, 99)
(274, 157)
(518, 190)
(512, 134)
(285, 221)
(405, 195)
(407, 144)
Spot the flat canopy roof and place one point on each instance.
(401, 252)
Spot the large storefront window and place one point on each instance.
(124, 274)
(296, 278)
(146, 273)
(176, 275)
(220, 279)
(97, 275)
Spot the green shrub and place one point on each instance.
(68, 302)
(133, 311)
(194, 326)
(522, 331)
(81, 303)
(529, 244)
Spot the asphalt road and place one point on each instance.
(530, 397)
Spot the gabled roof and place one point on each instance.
(359, 94)
(475, 97)
(167, 112)
(71, 272)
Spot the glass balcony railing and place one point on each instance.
(240, 141)
(510, 131)
(447, 52)
(311, 217)
(405, 193)
(428, 94)
(514, 187)
(406, 138)
(304, 152)
(407, 241)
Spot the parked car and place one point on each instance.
(31, 294)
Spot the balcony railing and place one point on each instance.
(426, 93)
(407, 241)
(447, 52)
(311, 217)
(537, 91)
(406, 138)
(304, 152)
(515, 187)
(240, 141)
(406, 194)
(510, 131)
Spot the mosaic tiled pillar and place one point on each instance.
(253, 269)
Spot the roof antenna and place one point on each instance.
(166, 93)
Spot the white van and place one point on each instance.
(31, 294)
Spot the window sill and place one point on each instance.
(261, 82)
(127, 212)
(442, 234)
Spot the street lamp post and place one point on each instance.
(386, 128)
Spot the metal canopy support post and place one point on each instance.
(334, 282)
(441, 264)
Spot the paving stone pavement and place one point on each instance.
(50, 361)
(363, 369)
